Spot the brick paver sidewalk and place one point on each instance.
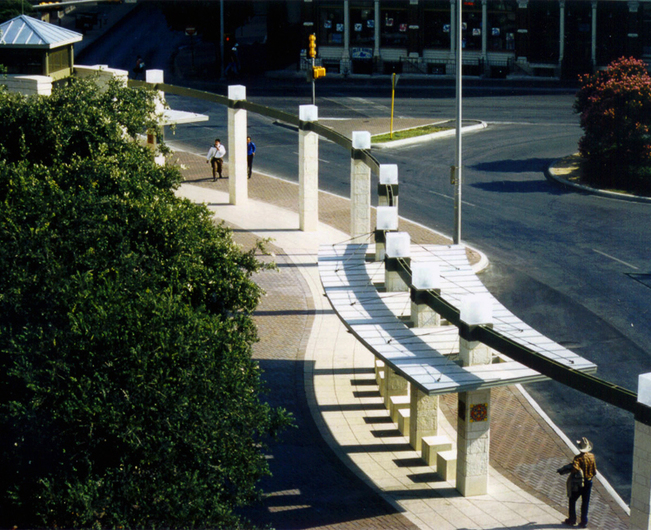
(311, 487)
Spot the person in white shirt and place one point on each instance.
(216, 158)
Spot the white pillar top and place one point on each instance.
(425, 275)
(236, 92)
(361, 140)
(644, 389)
(387, 218)
(154, 76)
(308, 113)
(398, 245)
(477, 309)
(388, 174)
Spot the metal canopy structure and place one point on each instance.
(426, 356)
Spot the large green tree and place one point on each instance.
(12, 8)
(128, 395)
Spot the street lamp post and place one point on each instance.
(456, 169)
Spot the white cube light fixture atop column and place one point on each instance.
(397, 245)
(387, 218)
(236, 92)
(308, 113)
(154, 76)
(361, 140)
(425, 275)
(388, 174)
(477, 309)
(644, 389)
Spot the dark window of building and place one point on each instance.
(544, 32)
(501, 25)
(362, 24)
(471, 25)
(331, 25)
(645, 33)
(612, 21)
(21, 61)
(437, 25)
(394, 23)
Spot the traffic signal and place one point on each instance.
(318, 71)
(311, 46)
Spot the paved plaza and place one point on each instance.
(346, 465)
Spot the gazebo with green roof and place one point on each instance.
(29, 46)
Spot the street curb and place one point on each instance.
(427, 137)
(604, 482)
(550, 174)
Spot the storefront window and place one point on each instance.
(501, 26)
(331, 25)
(544, 32)
(437, 26)
(394, 24)
(362, 25)
(471, 28)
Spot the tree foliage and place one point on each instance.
(128, 396)
(12, 8)
(615, 108)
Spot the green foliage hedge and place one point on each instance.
(128, 396)
(615, 108)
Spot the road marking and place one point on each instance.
(615, 259)
(320, 159)
(450, 197)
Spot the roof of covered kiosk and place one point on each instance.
(29, 32)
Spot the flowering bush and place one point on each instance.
(615, 108)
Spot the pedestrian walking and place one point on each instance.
(579, 483)
(250, 153)
(216, 158)
(139, 69)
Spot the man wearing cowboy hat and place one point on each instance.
(582, 467)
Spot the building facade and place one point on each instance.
(553, 38)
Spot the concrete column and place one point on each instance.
(376, 32)
(473, 441)
(238, 189)
(473, 421)
(423, 416)
(397, 246)
(593, 37)
(425, 276)
(453, 28)
(308, 171)
(360, 190)
(394, 385)
(561, 38)
(345, 58)
(156, 77)
(641, 488)
(389, 177)
(387, 221)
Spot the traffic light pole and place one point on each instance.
(313, 84)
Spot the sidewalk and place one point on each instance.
(318, 371)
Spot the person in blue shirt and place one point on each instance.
(250, 153)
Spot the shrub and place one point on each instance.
(615, 108)
(128, 395)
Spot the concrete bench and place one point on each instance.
(398, 403)
(403, 421)
(446, 465)
(432, 445)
